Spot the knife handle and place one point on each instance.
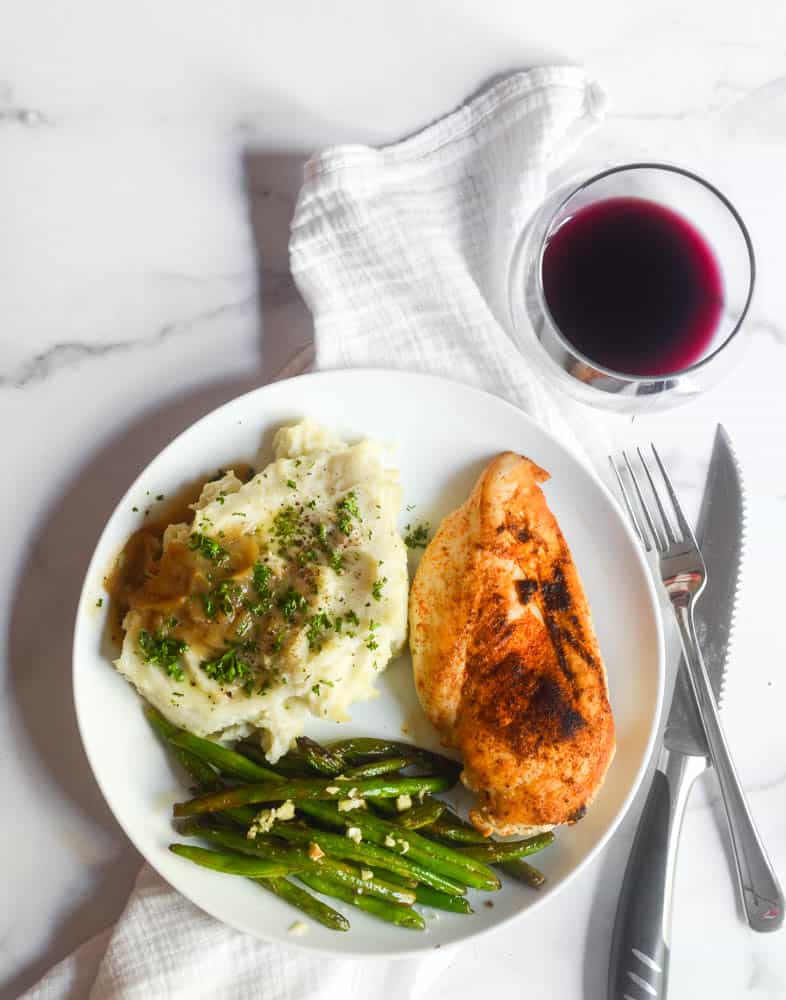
(639, 965)
(762, 896)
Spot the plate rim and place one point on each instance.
(81, 619)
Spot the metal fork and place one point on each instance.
(684, 576)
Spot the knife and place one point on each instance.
(636, 971)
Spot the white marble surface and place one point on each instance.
(150, 156)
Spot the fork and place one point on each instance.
(684, 575)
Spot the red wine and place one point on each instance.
(633, 286)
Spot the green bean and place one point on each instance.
(433, 849)
(433, 897)
(402, 916)
(369, 855)
(423, 815)
(284, 767)
(234, 864)
(441, 901)
(277, 884)
(386, 807)
(209, 781)
(336, 846)
(319, 758)
(362, 746)
(406, 817)
(440, 859)
(291, 765)
(507, 850)
(227, 761)
(302, 900)
(265, 847)
(302, 789)
(452, 828)
(376, 767)
(524, 872)
(242, 815)
(204, 775)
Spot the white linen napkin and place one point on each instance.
(402, 254)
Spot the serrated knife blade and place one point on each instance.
(720, 533)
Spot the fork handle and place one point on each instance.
(762, 896)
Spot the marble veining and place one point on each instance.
(151, 161)
(66, 355)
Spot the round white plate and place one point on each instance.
(446, 433)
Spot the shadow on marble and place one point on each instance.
(113, 882)
(272, 180)
(40, 658)
(50, 581)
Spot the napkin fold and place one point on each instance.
(402, 255)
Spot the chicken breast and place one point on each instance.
(506, 662)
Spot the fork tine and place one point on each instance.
(643, 538)
(666, 522)
(685, 528)
(660, 544)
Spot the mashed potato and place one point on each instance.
(285, 596)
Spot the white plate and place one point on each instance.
(446, 433)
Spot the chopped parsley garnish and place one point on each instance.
(337, 561)
(260, 577)
(224, 597)
(291, 484)
(100, 602)
(312, 505)
(209, 604)
(346, 510)
(278, 642)
(221, 498)
(417, 537)
(376, 590)
(228, 596)
(135, 510)
(315, 689)
(317, 625)
(371, 642)
(227, 668)
(207, 547)
(321, 532)
(162, 650)
(258, 608)
(239, 513)
(242, 627)
(290, 603)
(351, 618)
(286, 524)
(160, 496)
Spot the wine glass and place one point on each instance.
(560, 349)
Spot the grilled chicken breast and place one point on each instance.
(506, 661)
